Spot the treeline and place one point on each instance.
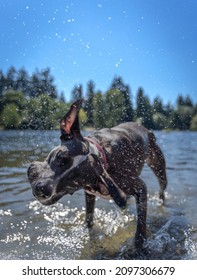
(32, 102)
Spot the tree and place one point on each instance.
(129, 115)
(42, 112)
(47, 85)
(76, 93)
(13, 104)
(118, 84)
(140, 110)
(18, 89)
(2, 83)
(61, 109)
(193, 125)
(42, 83)
(184, 111)
(115, 107)
(11, 78)
(35, 85)
(158, 106)
(15, 97)
(185, 116)
(23, 82)
(148, 116)
(89, 106)
(10, 117)
(174, 121)
(82, 118)
(144, 110)
(99, 112)
(62, 97)
(188, 101)
(159, 121)
(168, 109)
(180, 100)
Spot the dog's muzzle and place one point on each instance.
(41, 184)
(43, 189)
(46, 187)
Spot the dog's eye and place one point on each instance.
(64, 162)
(67, 162)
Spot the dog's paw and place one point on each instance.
(139, 241)
(162, 196)
(132, 251)
(89, 224)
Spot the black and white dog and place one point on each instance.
(107, 164)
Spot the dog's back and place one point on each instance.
(126, 147)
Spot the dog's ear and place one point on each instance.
(69, 124)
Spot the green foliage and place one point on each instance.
(158, 106)
(40, 82)
(144, 113)
(115, 109)
(118, 84)
(76, 93)
(10, 117)
(159, 121)
(12, 109)
(82, 118)
(99, 110)
(42, 112)
(13, 96)
(193, 125)
(32, 102)
(89, 107)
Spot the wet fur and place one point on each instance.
(77, 164)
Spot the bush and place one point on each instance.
(193, 125)
(10, 117)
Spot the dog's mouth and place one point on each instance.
(48, 201)
(49, 197)
(100, 191)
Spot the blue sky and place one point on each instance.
(150, 43)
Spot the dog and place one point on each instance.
(107, 163)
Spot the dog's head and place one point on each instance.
(53, 178)
(71, 166)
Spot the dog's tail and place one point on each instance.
(156, 162)
(151, 137)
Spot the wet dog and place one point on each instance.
(106, 164)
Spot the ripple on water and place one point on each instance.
(66, 231)
(59, 232)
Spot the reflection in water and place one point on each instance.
(32, 231)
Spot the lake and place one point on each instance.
(32, 231)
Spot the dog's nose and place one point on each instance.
(43, 189)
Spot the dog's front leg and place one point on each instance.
(119, 197)
(140, 193)
(90, 203)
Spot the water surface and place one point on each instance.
(32, 231)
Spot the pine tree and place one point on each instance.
(118, 84)
(77, 93)
(89, 106)
(99, 112)
(144, 110)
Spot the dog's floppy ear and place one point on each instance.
(69, 124)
